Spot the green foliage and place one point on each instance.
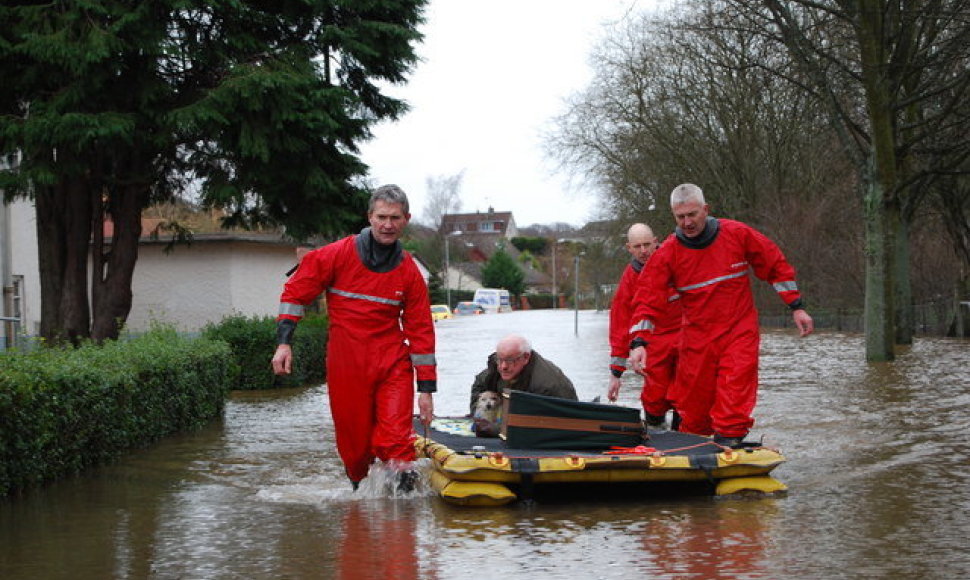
(537, 301)
(436, 289)
(252, 341)
(501, 271)
(264, 103)
(256, 108)
(528, 259)
(65, 409)
(461, 296)
(535, 245)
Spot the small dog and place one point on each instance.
(488, 414)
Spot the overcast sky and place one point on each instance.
(493, 75)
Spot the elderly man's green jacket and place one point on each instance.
(538, 376)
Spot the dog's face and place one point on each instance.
(488, 414)
(488, 406)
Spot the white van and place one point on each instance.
(494, 299)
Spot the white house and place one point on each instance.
(20, 307)
(215, 276)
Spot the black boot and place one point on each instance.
(653, 420)
(355, 485)
(732, 442)
(406, 481)
(675, 421)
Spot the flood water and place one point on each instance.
(877, 470)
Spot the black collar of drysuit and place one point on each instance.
(706, 238)
(637, 265)
(376, 256)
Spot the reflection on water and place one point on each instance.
(877, 473)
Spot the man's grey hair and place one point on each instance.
(520, 341)
(389, 194)
(686, 192)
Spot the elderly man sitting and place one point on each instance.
(514, 365)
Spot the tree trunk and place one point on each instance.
(881, 196)
(63, 236)
(879, 319)
(111, 280)
(903, 288)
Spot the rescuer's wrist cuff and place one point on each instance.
(796, 304)
(284, 331)
(616, 372)
(637, 343)
(427, 386)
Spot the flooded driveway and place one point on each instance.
(877, 472)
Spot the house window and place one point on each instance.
(487, 227)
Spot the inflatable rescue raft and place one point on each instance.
(480, 471)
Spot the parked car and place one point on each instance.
(440, 312)
(468, 309)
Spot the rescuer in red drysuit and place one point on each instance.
(707, 260)
(381, 335)
(661, 365)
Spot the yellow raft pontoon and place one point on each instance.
(479, 471)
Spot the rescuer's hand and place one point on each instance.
(638, 359)
(803, 322)
(283, 359)
(614, 391)
(425, 408)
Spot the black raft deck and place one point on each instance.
(471, 470)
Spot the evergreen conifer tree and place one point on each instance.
(259, 107)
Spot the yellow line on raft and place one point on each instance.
(497, 467)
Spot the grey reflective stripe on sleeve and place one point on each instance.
(365, 297)
(423, 359)
(673, 297)
(292, 309)
(618, 361)
(712, 281)
(642, 325)
(786, 286)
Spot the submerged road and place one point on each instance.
(877, 471)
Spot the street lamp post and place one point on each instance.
(555, 293)
(554, 297)
(447, 275)
(576, 295)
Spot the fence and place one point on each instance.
(938, 318)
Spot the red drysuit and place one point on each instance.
(381, 332)
(717, 372)
(662, 362)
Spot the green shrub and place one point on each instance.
(65, 409)
(252, 341)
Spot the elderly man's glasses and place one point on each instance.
(511, 360)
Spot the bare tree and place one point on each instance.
(784, 110)
(444, 197)
(679, 99)
(673, 102)
(892, 77)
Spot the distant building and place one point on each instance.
(491, 222)
(479, 235)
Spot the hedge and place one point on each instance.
(253, 341)
(65, 409)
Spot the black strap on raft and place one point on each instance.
(706, 462)
(525, 465)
